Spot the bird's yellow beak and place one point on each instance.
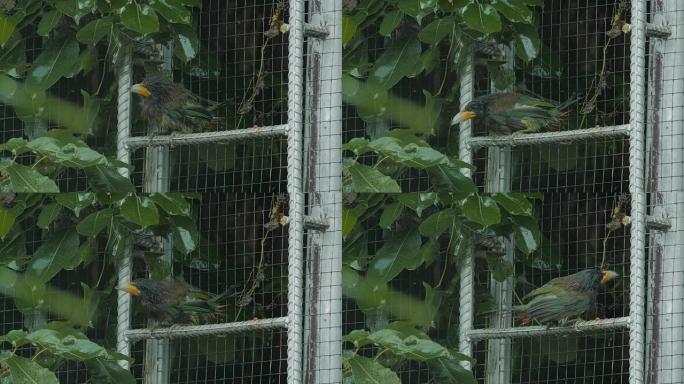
(141, 90)
(608, 276)
(131, 289)
(463, 116)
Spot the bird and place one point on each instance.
(173, 301)
(171, 108)
(564, 298)
(512, 113)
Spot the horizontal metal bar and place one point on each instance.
(316, 224)
(206, 137)
(658, 224)
(658, 31)
(533, 331)
(562, 137)
(317, 31)
(179, 332)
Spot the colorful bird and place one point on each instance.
(513, 113)
(564, 298)
(173, 301)
(170, 107)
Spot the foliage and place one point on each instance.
(422, 235)
(54, 345)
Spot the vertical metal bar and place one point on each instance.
(466, 273)
(498, 365)
(636, 189)
(158, 351)
(322, 181)
(665, 185)
(295, 286)
(124, 264)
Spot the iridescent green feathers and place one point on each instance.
(169, 107)
(514, 113)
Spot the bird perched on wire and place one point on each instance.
(173, 301)
(564, 298)
(514, 113)
(170, 107)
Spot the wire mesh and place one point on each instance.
(246, 358)
(585, 52)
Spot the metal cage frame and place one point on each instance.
(499, 338)
(312, 115)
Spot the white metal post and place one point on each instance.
(156, 179)
(323, 154)
(466, 272)
(665, 183)
(123, 323)
(499, 180)
(295, 285)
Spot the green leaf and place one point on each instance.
(499, 268)
(418, 201)
(48, 214)
(367, 179)
(76, 201)
(410, 347)
(482, 210)
(527, 235)
(434, 32)
(107, 179)
(72, 8)
(527, 43)
(186, 43)
(7, 219)
(27, 371)
(399, 252)
(437, 223)
(108, 372)
(481, 17)
(398, 61)
(26, 179)
(53, 255)
(69, 344)
(390, 22)
(95, 222)
(140, 210)
(185, 237)
(369, 371)
(349, 28)
(70, 154)
(7, 27)
(172, 10)
(513, 203)
(94, 31)
(48, 21)
(390, 215)
(172, 203)
(53, 63)
(514, 10)
(448, 178)
(417, 9)
(140, 18)
(450, 371)
(349, 219)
